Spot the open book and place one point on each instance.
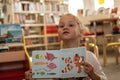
(64, 63)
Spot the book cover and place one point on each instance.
(64, 63)
(4, 28)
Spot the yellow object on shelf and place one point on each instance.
(101, 1)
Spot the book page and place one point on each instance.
(45, 64)
(71, 62)
(65, 63)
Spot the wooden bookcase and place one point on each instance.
(1, 14)
(39, 19)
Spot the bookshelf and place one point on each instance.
(1, 13)
(39, 19)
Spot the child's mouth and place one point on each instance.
(65, 32)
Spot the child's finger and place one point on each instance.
(82, 63)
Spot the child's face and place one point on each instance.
(68, 28)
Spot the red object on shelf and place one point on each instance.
(51, 29)
(100, 33)
(116, 29)
(89, 33)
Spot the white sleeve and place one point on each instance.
(92, 59)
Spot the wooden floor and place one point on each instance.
(111, 70)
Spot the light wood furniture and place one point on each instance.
(110, 19)
(114, 44)
(13, 65)
(102, 19)
(91, 42)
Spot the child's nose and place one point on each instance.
(65, 26)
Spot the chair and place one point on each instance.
(107, 44)
(91, 43)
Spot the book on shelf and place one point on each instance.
(56, 19)
(5, 28)
(52, 29)
(2, 39)
(49, 19)
(33, 7)
(64, 63)
(52, 39)
(52, 7)
(20, 18)
(40, 7)
(10, 33)
(53, 18)
(3, 48)
(17, 6)
(24, 6)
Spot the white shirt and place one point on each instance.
(92, 59)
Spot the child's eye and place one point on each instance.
(71, 25)
(60, 26)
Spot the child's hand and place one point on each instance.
(88, 68)
(28, 75)
(90, 71)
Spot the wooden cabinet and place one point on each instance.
(39, 19)
(13, 65)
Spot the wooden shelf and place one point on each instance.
(14, 44)
(35, 45)
(26, 12)
(34, 36)
(54, 43)
(32, 25)
(8, 57)
(49, 35)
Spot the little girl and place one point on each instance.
(70, 31)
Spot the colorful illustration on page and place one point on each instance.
(45, 63)
(77, 60)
